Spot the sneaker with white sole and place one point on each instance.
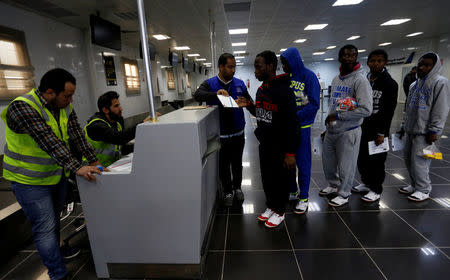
(371, 197)
(266, 215)
(301, 207)
(239, 195)
(419, 196)
(327, 191)
(293, 195)
(360, 188)
(228, 200)
(274, 221)
(407, 190)
(338, 201)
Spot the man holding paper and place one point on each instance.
(375, 128)
(217, 91)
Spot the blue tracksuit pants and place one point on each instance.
(303, 157)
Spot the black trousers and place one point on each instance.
(275, 178)
(230, 162)
(371, 167)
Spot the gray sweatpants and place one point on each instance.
(339, 158)
(418, 167)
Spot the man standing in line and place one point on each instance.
(232, 124)
(306, 88)
(409, 79)
(277, 133)
(343, 134)
(376, 127)
(38, 160)
(425, 115)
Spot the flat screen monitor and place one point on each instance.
(151, 50)
(173, 59)
(105, 33)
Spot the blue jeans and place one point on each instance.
(42, 206)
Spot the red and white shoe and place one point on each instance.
(274, 221)
(266, 215)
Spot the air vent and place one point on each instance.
(127, 16)
(44, 7)
(237, 7)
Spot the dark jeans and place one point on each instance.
(275, 178)
(230, 162)
(42, 206)
(371, 167)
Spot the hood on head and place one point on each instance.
(436, 68)
(292, 55)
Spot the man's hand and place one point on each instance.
(431, 138)
(322, 136)
(242, 101)
(289, 162)
(222, 92)
(88, 171)
(330, 118)
(379, 140)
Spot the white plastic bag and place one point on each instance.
(431, 152)
(397, 143)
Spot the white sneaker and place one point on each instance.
(338, 201)
(266, 215)
(371, 197)
(274, 221)
(328, 190)
(407, 190)
(301, 207)
(419, 196)
(360, 188)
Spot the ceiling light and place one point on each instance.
(395, 21)
(353, 37)
(282, 50)
(331, 47)
(238, 61)
(182, 48)
(346, 2)
(300, 41)
(360, 51)
(318, 53)
(239, 57)
(201, 59)
(113, 54)
(316, 26)
(329, 59)
(239, 44)
(239, 64)
(238, 52)
(238, 31)
(385, 44)
(414, 34)
(161, 37)
(193, 54)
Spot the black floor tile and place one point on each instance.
(217, 241)
(213, 266)
(440, 191)
(11, 263)
(412, 264)
(337, 264)
(319, 231)
(245, 232)
(431, 224)
(260, 265)
(32, 268)
(86, 271)
(382, 229)
(390, 180)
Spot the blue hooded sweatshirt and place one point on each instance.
(305, 85)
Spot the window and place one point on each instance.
(170, 77)
(16, 72)
(131, 74)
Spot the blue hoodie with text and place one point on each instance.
(305, 85)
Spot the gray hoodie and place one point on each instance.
(353, 85)
(428, 103)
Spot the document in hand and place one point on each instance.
(397, 143)
(382, 148)
(227, 101)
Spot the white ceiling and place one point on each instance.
(272, 24)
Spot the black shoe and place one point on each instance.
(239, 195)
(228, 199)
(68, 252)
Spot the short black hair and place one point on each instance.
(269, 57)
(105, 100)
(431, 56)
(414, 68)
(223, 59)
(56, 79)
(347, 47)
(379, 52)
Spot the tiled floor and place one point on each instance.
(390, 239)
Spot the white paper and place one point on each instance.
(397, 143)
(227, 101)
(382, 148)
(317, 146)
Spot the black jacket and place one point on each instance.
(276, 115)
(385, 91)
(100, 131)
(407, 81)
